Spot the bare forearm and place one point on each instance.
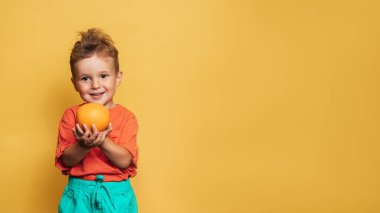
(117, 154)
(74, 154)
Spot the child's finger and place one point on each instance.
(94, 129)
(87, 132)
(85, 128)
(109, 129)
(93, 136)
(79, 130)
(105, 135)
(102, 136)
(97, 138)
(75, 133)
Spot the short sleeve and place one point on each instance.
(128, 140)
(65, 138)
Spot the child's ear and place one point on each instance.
(74, 84)
(119, 77)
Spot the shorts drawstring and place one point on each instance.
(96, 199)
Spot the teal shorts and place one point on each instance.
(83, 196)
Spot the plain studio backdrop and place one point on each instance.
(267, 106)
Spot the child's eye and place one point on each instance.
(103, 75)
(84, 79)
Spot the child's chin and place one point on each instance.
(95, 101)
(99, 102)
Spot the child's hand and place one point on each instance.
(90, 138)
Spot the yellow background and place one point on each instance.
(244, 106)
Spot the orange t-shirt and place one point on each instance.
(124, 131)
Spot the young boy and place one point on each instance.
(99, 164)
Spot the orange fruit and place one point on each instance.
(93, 113)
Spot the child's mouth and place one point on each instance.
(96, 95)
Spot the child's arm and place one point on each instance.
(117, 154)
(74, 154)
(86, 140)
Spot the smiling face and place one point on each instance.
(96, 80)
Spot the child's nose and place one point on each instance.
(95, 84)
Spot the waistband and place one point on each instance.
(90, 186)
